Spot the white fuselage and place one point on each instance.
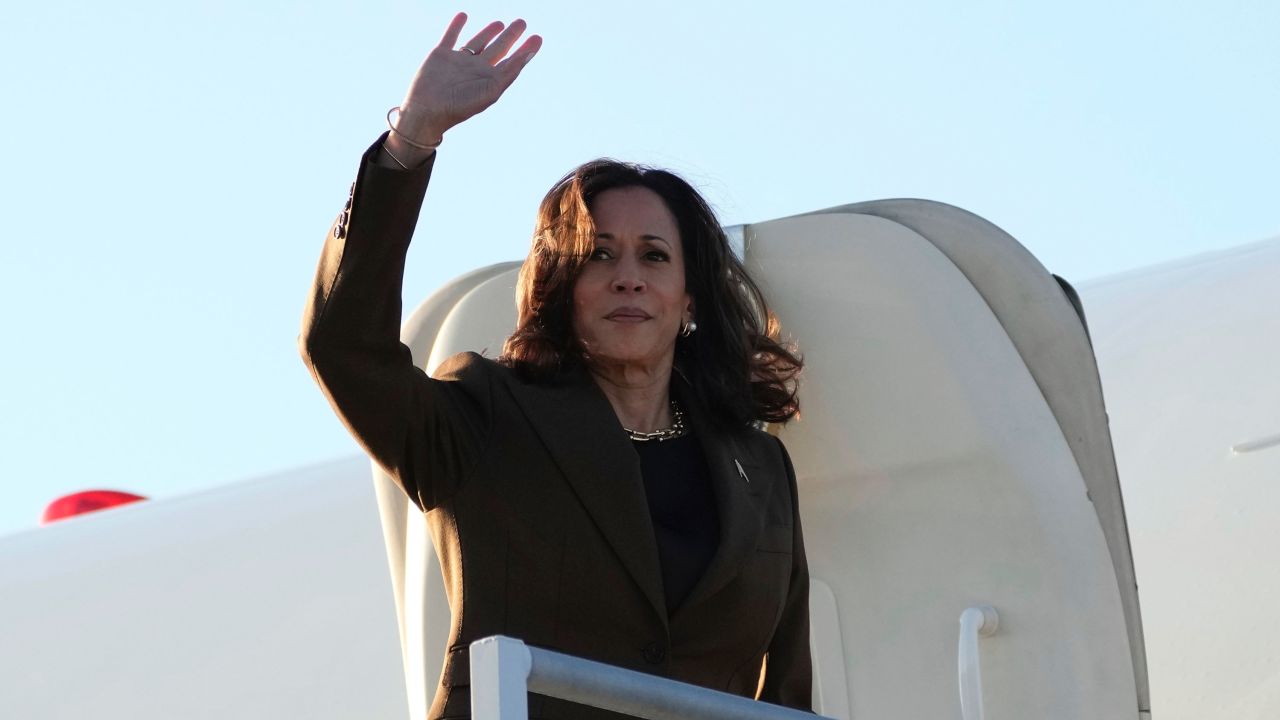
(273, 594)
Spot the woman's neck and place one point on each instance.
(640, 397)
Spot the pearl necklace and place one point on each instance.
(676, 430)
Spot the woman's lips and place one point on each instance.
(628, 315)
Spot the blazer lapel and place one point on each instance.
(581, 432)
(741, 489)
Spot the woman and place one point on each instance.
(600, 489)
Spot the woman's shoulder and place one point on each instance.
(465, 365)
(473, 367)
(765, 446)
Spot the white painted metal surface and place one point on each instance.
(830, 669)
(500, 679)
(935, 476)
(1188, 354)
(1055, 347)
(260, 600)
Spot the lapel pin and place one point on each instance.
(741, 472)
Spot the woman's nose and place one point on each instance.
(628, 284)
(628, 278)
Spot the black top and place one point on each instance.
(682, 505)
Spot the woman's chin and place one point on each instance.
(606, 355)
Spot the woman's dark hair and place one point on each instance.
(735, 365)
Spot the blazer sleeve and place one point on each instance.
(788, 673)
(426, 433)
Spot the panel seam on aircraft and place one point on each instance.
(1262, 443)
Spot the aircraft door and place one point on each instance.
(951, 452)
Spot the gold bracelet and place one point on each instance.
(399, 162)
(405, 138)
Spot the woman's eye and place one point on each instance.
(599, 254)
(657, 255)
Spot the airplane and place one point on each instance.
(954, 454)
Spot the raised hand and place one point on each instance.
(454, 84)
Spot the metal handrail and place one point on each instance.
(504, 670)
(975, 622)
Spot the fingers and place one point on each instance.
(476, 45)
(499, 47)
(492, 44)
(452, 32)
(512, 66)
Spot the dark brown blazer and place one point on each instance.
(534, 497)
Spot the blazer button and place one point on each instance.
(654, 653)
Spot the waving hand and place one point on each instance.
(454, 84)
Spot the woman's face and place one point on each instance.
(629, 301)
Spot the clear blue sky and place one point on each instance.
(169, 170)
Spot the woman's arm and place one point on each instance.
(350, 341)
(424, 432)
(788, 674)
